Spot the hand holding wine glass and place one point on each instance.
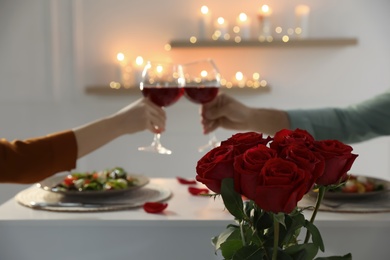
(202, 82)
(163, 84)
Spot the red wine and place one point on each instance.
(201, 94)
(163, 96)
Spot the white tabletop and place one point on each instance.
(188, 223)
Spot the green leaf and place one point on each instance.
(344, 257)
(263, 221)
(231, 199)
(230, 247)
(251, 252)
(316, 236)
(280, 218)
(228, 233)
(302, 252)
(294, 225)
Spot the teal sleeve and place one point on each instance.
(355, 123)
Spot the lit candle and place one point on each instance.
(240, 79)
(221, 28)
(138, 68)
(204, 23)
(244, 25)
(302, 20)
(265, 20)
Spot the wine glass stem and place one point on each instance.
(156, 140)
(213, 141)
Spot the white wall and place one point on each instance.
(51, 50)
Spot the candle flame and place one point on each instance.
(203, 73)
(159, 68)
(239, 75)
(243, 17)
(120, 56)
(204, 10)
(139, 60)
(220, 20)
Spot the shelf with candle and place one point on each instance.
(307, 42)
(114, 89)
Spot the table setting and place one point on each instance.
(51, 195)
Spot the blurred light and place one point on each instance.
(226, 36)
(239, 75)
(203, 73)
(265, 8)
(290, 31)
(256, 76)
(229, 84)
(115, 85)
(220, 20)
(285, 38)
(261, 38)
(270, 38)
(298, 30)
(263, 83)
(223, 82)
(159, 68)
(193, 39)
(204, 9)
(236, 29)
(278, 29)
(167, 47)
(237, 39)
(243, 17)
(120, 56)
(139, 60)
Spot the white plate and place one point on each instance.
(49, 183)
(333, 195)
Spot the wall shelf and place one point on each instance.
(309, 42)
(107, 91)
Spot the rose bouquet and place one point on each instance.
(261, 180)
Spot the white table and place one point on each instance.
(182, 232)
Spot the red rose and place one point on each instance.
(244, 141)
(338, 161)
(247, 167)
(216, 165)
(280, 186)
(285, 137)
(303, 157)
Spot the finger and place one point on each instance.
(158, 123)
(209, 126)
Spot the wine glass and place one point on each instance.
(163, 84)
(202, 82)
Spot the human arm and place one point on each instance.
(138, 116)
(351, 124)
(31, 160)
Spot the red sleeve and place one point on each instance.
(35, 159)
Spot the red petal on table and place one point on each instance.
(155, 207)
(198, 191)
(185, 181)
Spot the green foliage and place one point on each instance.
(252, 238)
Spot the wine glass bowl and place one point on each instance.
(163, 84)
(202, 83)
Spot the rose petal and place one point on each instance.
(154, 207)
(198, 191)
(185, 181)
